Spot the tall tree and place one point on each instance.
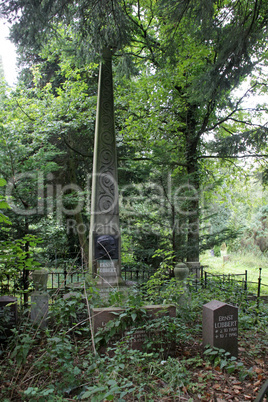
(205, 49)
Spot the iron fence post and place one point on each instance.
(259, 288)
(202, 276)
(65, 276)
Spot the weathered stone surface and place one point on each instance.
(220, 326)
(101, 316)
(104, 242)
(8, 316)
(194, 267)
(181, 271)
(39, 308)
(40, 277)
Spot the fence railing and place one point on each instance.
(58, 280)
(138, 275)
(231, 278)
(199, 278)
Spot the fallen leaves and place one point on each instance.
(257, 383)
(257, 370)
(237, 386)
(260, 362)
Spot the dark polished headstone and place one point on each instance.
(8, 316)
(220, 326)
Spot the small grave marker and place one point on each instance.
(39, 298)
(101, 316)
(220, 326)
(39, 308)
(8, 316)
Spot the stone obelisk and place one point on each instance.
(104, 237)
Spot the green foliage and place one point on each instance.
(43, 395)
(226, 362)
(176, 67)
(160, 289)
(3, 205)
(132, 315)
(255, 315)
(21, 350)
(70, 313)
(58, 362)
(135, 373)
(15, 257)
(164, 113)
(111, 390)
(172, 372)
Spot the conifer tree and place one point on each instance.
(206, 47)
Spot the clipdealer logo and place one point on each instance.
(34, 193)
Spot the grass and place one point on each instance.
(237, 264)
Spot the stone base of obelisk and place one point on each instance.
(108, 285)
(106, 292)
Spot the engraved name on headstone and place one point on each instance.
(220, 326)
(101, 316)
(106, 267)
(8, 316)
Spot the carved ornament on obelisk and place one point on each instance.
(104, 237)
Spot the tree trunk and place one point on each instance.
(25, 272)
(192, 141)
(82, 234)
(193, 210)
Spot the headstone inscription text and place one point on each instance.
(101, 316)
(106, 267)
(8, 316)
(220, 326)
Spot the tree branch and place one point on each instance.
(23, 111)
(223, 120)
(75, 150)
(232, 156)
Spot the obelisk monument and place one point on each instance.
(104, 237)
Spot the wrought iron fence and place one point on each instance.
(199, 277)
(137, 274)
(238, 279)
(61, 279)
(56, 280)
